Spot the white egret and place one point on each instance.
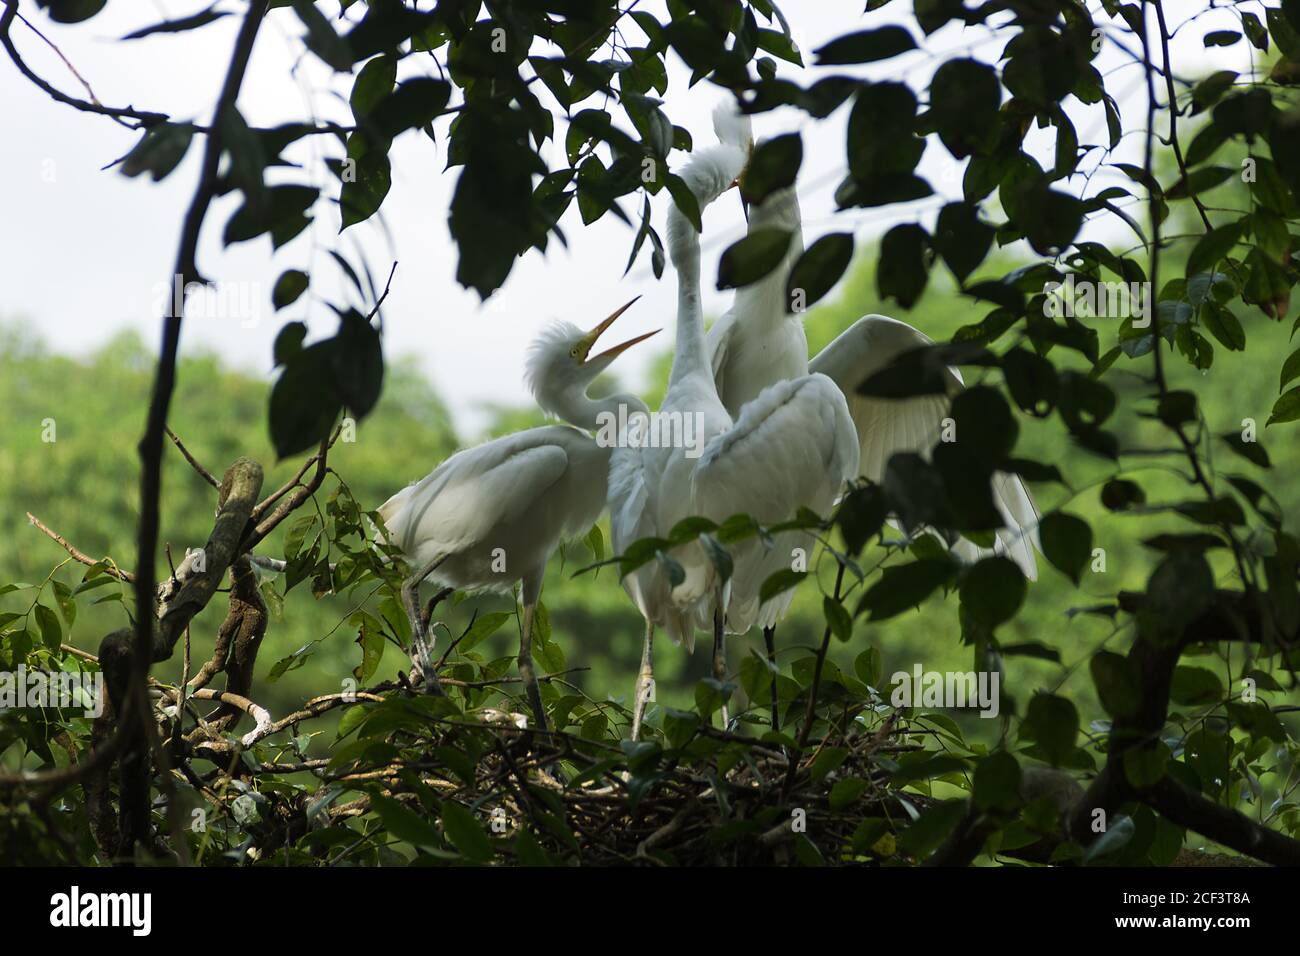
(760, 341)
(792, 446)
(492, 515)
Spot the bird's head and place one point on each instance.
(560, 360)
(734, 128)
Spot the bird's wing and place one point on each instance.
(793, 446)
(887, 426)
(718, 343)
(473, 491)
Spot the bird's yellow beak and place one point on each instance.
(588, 340)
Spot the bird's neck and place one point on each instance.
(690, 357)
(593, 414)
(763, 304)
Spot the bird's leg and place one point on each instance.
(769, 637)
(720, 658)
(422, 650)
(526, 667)
(645, 681)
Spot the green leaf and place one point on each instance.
(358, 363)
(865, 46)
(846, 792)
(820, 266)
(370, 637)
(484, 626)
(993, 590)
(180, 24)
(1117, 836)
(780, 582)
(71, 11)
(996, 782)
(51, 631)
(321, 38)
(1195, 686)
(1053, 723)
(684, 199)
(965, 96)
(902, 271)
(282, 213)
(904, 586)
(595, 542)
(930, 829)
(288, 342)
(751, 258)
(1290, 370)
(1223, 325)
(361, 196)
(288, 288)
(159, 151)
(1252, 451)
(67, 603)
(465, 832)
(412, 105)
(837, 619)
(404, 824)
(1212, 247)
(1221, 38)
(373, 83)
(961, 239)
(1117, 684)
(1284, 34)
(1067, 543)
(1286, 408)
(774, 165)
(304, 402)
(1120, 494)
(1145, 766)
(1032, 381)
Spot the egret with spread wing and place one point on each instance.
(760, 342)
(492, 515)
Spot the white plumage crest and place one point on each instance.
(710, 173)
(547, 352)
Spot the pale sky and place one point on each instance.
(84, 251)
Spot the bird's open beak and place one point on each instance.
(590, 339)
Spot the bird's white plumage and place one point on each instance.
(792, 447)
(650, 487)
(760, 342)
(514, 498)
(492, 515)
(886, 426)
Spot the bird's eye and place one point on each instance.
(573, 352)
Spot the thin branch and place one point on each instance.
(319, 460)
(118, 114)
(77, 555)
(1173, 116)
(194, 463)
